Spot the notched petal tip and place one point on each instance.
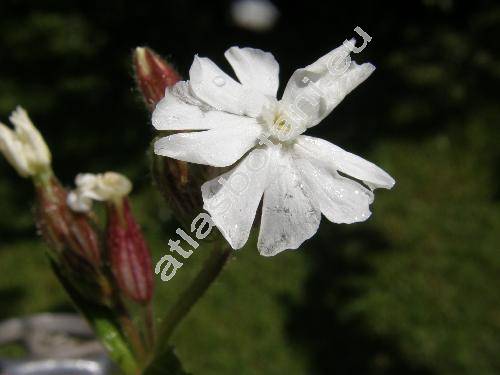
(231, 50)
(369, 67)
(20, 119)
(19, 111)
(196, 68)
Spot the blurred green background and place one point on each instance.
(412, 290)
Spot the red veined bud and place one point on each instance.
(129, 253)
(73, 242)
(179, 182)
(63, 229)
(153, 75)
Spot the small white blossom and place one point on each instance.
(107, 186)
(296, 176)
(24, 147)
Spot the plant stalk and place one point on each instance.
(210, 271)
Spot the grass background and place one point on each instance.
(412, 290)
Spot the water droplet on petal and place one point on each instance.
(219, 81)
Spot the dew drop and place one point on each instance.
(219, 81)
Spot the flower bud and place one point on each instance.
(63, 228)
(153, 75)
(180, 185)
(129, 254)
(128, 251)
(73, 242)
(179, 182)
(24, 147)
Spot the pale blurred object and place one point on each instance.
(255, 15)
(54, 344)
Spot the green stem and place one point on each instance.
(150, 325)
(116, 346)
(133, 336)
(43, 178)
(102, 319)
(211, 269)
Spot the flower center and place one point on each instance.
(279, 126)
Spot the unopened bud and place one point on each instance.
(178, 182)
(129, 253)
(153, 75)
(61, 227)
(24, 147)
(180, 185)
(73, 242)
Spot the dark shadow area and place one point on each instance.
(10, 298)
(337, 341)
(64, 307)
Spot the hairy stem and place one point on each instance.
(150, 325)
(211, 269)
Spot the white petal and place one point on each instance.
(180, 110)
(216, 147)
(255, 68)
(178, 113)
(314, 91)
(340, 199)
(112, 185)
(232, 199)
(31, 137)
(214, 87)
(100, 187)
(183, 91)
(78, 202)
(289, 214)
(85, 180)
(86, 188)
(12, 149)
(335, 158)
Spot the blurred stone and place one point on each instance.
(254, 15)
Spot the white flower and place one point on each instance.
(107, 186)
(24, 146)
(297, 175)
